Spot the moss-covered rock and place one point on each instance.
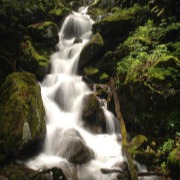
(44, 32)
(33, 61)
(91, 51)
(22, 121)
(93, 115)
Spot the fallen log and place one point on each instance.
(131, 166)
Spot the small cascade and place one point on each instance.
(111, 122)
(67, 142)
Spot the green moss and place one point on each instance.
(90, 71)
(97, 39)
(41, 26)
(56, 12)
(97, 12)
(29, 51)
(104, 76)
(32, 60)
(20, 103)
(174, 158)
(136, 143)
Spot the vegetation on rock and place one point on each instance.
(22, 114)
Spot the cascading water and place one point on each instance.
(62, 93)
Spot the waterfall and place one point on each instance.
(62, 93)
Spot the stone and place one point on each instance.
(44, 32)
(93, 115)
(73, 147)
(32, 60)
(22, 115)
(90, 51)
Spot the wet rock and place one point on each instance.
(73, 147)
(22, 122)
(77, 40)
(91, 51)
(93, 115)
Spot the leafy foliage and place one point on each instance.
(150, 62)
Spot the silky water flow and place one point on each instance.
(62, 93)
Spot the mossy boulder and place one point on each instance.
(44, 32)
(91, 51)
(32, 60)
(116, 26)
(22, 121)
(93, 115)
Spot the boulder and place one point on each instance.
(33, 60)
(93, 115)
(91, 51)
(73, 147)
(22, 122)
(44, 32)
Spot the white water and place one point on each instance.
(62, 93)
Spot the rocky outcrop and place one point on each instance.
(22, 122)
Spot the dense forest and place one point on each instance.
(137, 42)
